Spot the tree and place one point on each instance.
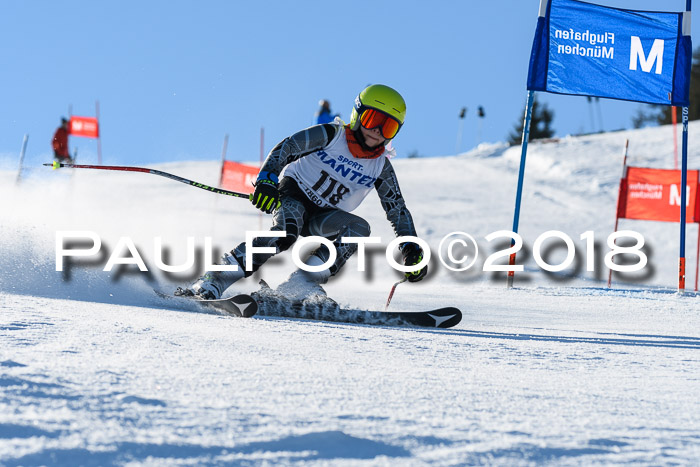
(661, 114)
(540, 124)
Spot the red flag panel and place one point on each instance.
(84, 126)
(654, 194)
(238, 177)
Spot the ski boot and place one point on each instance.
(213, 283)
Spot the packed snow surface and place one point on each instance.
(95, 369)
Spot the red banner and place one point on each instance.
(84, 126)
(238, 177)
(654, 194)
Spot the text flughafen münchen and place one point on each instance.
(592, 44)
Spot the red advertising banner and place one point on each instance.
(238, 177)
(654, 194)
(84, 126)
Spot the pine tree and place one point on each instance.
(540, 124)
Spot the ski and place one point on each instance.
(323, 308)
(240, 306)
(267, 302)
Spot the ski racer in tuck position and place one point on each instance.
(311, 181)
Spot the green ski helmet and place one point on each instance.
(387, 102)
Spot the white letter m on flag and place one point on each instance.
(656, 55)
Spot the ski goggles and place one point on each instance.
(372, 118)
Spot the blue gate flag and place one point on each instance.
(592, 50)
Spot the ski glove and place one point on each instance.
(266, 196)
(413, 254)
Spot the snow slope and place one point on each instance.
(95, 369)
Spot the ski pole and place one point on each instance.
(218, 191)
(391, 294)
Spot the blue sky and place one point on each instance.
(172, 77)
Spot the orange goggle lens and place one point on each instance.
(371, 118)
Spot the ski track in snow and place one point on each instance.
(97, 370)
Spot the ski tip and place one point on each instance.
(242, 306)
(247, 306)
(446, 317)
